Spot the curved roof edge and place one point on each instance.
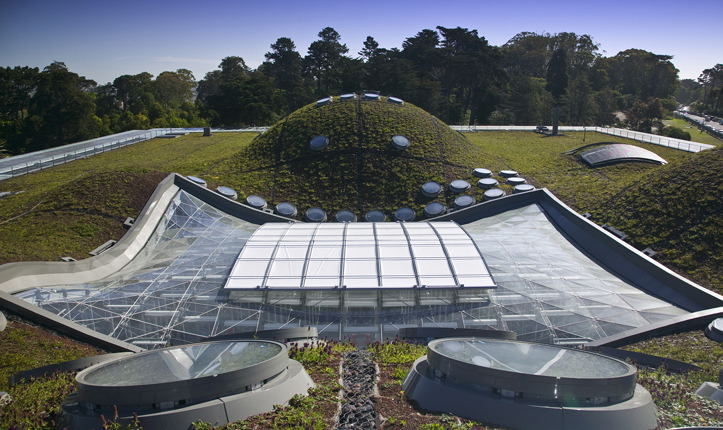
(21, 276)
(61, 325)
(693, 321)
(229, 206)
(609, 251)
(17, 277)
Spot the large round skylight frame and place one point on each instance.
(431, 189)
(315, 215)
(319, 143)
(286, 209)
(400, 142)
(227, 192)
(533, 371)
(375, 216)
(198, 181)
(272, 358)
(459, 186)
(482, 173)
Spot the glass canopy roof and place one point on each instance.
(364, 255)
(173, 291)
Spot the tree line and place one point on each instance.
(454, 73)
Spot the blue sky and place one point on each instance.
(103, 40)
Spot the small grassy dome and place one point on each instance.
(360, 169)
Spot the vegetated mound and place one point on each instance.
(360, 170)
(677, 211)
(73, 219)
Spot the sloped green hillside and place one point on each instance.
(360, 170)
(677, 212)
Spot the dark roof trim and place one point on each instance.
(678, 324)
(64, 326)
(607, 250)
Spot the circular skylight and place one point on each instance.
(181, 373)
(528, 385)
(487, 183)
(371, 96)
(494, 193)
(508, 173)
(459, 186)
(431, 189)
(517, 357)
(482, 173)
(345, 216)
(404, 214)
(197, 181)
(315, 215)
(523, 188)
(516, 181)
(434, 209)
(375, 216)
(227, 192)
(350, 96)
(323, 101)
(285, 209)
(318, 143)
(400, 142)
(395, 100)
(715, 330)
(462, 202)
(256, 202)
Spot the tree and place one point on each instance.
(246, 102)
(712, 82)
(643, 74)
(581, 107)
(130, 88)
(61, 111)
(689, 91)
(283, 65)
(16, 88)
(324, 59)
(557, 76)
(527, 54)
(643, 116)
(173, 88)
(528, 99)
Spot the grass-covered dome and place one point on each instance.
(360, 169)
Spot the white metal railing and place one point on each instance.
(11, 167)
(683, 145)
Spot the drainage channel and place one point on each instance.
(359, 375)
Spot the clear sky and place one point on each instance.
(102, 40)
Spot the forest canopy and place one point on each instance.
(453, 73)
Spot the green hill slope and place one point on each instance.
(678, 212)
(360, 170)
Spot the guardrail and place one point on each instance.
(27, 163)
(683, 145)
(32, 162)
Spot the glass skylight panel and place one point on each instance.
(359, 255)
(397, 267)
(360, 251)
(363, 268)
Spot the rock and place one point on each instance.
(3, 323)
